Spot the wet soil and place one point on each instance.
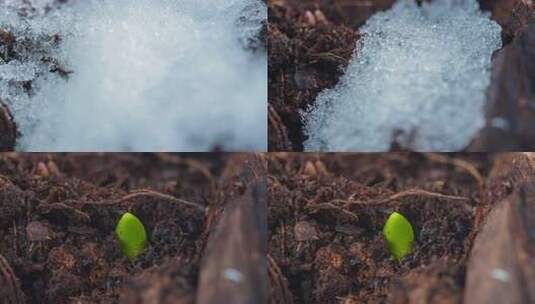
(327, 212)
(58, 214)
(311, 42)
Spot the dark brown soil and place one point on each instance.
(311, 42)
(327, 212)
(205, 214)
(306, 54)
(58, 214)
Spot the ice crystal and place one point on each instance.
(418, 76)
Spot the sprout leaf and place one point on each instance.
(131, 235)
(399, 235)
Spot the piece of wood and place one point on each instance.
(435, 283)
(234, 267)
(509, 172)
(279, 291)
(162, 284)
(501, 268)
(10, 292)
(509, 108)
(8, 129)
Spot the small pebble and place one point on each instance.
(305, 231)
(233, 275)
(36, 232)
(500, 275)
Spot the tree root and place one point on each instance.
(145, 193)
(47, 207)
(462, 201)
(459, 163)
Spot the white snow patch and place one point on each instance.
(500, 275)
(168, 75)
(233, 275)
(418, 72)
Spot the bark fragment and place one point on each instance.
(234, 269)
(501, 268)
(511, 97)
(8, 130)
(10, 292)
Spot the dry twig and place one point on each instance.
(459, 163)
(402, 195)
(47, 207)
(145, 193)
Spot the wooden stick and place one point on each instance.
(501, 266)
(10, 292)
(234, 268)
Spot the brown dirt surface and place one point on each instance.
(327, 211)
(311, 42)
(58, 214)
(309, 45)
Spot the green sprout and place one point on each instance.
(131, 235)
(399, 235)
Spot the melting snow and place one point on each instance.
(418, 72)
(146, 75)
